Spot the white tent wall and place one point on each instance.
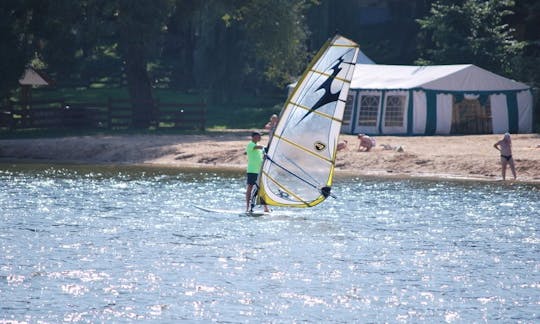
(525, 111)
(444, 108)
(499, 113)
(444, 114)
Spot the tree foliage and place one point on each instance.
(225, 48)
(285, 34)
(470, 31)
(16, 45)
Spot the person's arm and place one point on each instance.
(496, 146)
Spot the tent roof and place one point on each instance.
(461, 77)
(33, 77)
(363, 58)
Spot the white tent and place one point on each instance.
(428, 100)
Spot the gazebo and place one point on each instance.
(29, 79)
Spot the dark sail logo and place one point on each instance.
(319, 146)
(328, 96)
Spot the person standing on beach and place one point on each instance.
(505, 147)
(271, 125)
(255, 159)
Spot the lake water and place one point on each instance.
(104, 244)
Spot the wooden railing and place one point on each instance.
(112, 114)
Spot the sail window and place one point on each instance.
(394, 112)
(369, 109)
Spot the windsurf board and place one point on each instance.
(232, 211)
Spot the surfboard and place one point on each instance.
(232, 211)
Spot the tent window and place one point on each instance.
(470, 117)
(395, 107)
(348, 109)
(369, 108)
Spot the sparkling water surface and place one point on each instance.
(114, 244)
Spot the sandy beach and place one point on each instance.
(463, 157)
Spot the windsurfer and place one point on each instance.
(255, 159)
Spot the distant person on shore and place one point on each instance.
(342, 145)
(366, 143)
(254, 163)
(271, 125)
(505, 147)
(271, 128)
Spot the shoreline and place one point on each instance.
(338, 175)
(462, 158)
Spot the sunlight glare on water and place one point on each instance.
(91, 244)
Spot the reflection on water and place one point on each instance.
(96, 244)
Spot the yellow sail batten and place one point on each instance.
(304, 149)
(316, 112)
(343, 45)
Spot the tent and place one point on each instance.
(429, 100)
(31, 78)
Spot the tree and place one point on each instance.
(74, 33)
(16, 43)
(276, 36)
(139, 26)
(470, 31)
(270, 42)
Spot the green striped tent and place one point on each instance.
(431, 100)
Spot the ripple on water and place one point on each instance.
(105, 244)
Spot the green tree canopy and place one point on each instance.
(284, 34)
(470, 31)
(16, 46)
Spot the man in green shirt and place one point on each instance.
(255, 158)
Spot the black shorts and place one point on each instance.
(252, 178)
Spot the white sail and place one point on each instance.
(299, 165)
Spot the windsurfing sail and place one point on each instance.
(299, 165)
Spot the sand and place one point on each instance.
(462, 157)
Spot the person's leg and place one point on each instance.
(248, 196)
(503, 167)
(513, 168)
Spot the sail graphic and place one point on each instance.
(299, 164)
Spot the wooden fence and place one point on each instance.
(113, 114)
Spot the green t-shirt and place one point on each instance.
(255, 158)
